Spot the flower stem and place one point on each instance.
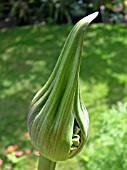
(46, 164)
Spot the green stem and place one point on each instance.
(46, 164)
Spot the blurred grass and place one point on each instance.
(27, 57)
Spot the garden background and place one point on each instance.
(32, 34)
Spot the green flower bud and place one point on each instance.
(58, 121)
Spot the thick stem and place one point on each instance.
(46, 164)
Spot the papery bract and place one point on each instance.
(58, 120)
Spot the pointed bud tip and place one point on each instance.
(90, 17)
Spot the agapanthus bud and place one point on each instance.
(58, 121)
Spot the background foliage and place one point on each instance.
(25, 12)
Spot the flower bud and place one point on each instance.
(58, 121)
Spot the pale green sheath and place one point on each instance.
(58, 121)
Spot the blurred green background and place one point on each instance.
(31, 37)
